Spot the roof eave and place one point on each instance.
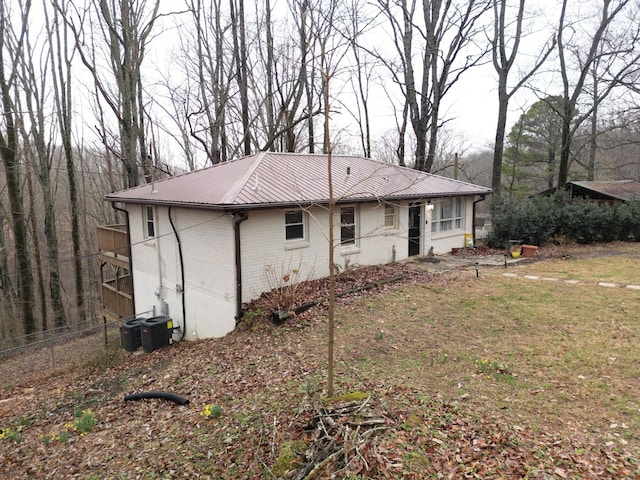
(306, 203)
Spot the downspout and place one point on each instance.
(473, 220)
(126, 216)
(238, 218)
(184, 307)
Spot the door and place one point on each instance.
(415, 224)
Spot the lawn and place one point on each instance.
(492, 376)
(539, 353)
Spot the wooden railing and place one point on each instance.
(116, 304)
(117, 285)
(122, 284)
(113, 239)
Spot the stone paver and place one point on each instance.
(444, 263)
(572, 281)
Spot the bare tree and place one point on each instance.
(288, 78)
(448, 29)
(124, 27)
(364, 70)
(503, 61)
(61, 56)
(330, 49)
(39, 138)
(613, 51)
(11, 44)
(206, 114)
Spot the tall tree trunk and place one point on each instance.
(240, 49)
(9, 154)
(7, 325)
(269, 96)
(34, 92)
(37, 255)
(501, 128)
(593, 135)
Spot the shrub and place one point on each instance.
(541, 219)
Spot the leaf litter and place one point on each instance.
(268, 382)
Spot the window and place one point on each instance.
(348, 225)
(390, 216)
(447, 215)
(149, 219)
(294, 225)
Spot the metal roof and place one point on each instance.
(616, 189)
(270, 179)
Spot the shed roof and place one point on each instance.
(616, 189)
(269, 179)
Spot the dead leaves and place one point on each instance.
(267, 382)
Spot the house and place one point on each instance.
(205, 242)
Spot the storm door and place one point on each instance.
(415, 223)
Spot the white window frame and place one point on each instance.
(353, 242)
(390, 213)
(448, 215)
(302, 223)
(149, 213)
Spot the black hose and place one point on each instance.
(163, 395)
(184, 307)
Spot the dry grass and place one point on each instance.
(624, 270)
(492, 377)
(570, 350)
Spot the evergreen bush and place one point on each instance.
(542, 219)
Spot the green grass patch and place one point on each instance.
(555, 352)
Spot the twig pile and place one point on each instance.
(343, 443)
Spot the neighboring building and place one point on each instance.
(206, 242)
(608, 191)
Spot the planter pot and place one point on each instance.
(529, 251)
(515, 254)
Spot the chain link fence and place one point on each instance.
(88, 344)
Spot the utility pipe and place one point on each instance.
(473, 218)
(238, 218)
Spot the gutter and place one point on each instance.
(133, 290)
(238, 218)
(235, 208)
(473, 218)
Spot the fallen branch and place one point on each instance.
(342, 440)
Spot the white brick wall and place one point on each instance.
(445, 241)
(209, 259)
(208, 250)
